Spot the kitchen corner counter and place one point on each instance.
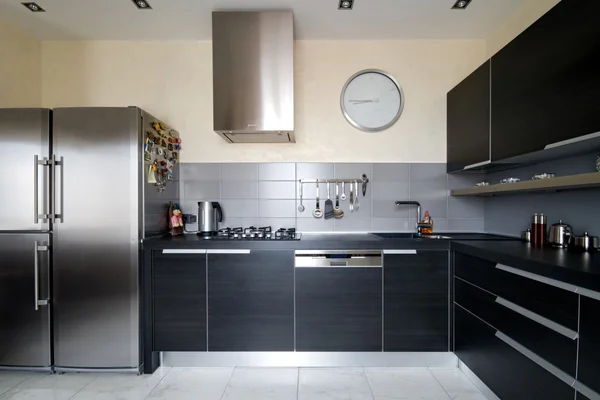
(580, 269)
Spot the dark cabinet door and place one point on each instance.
(468, 120)
(415, 301)
(179, 296)
(338, 309)
(589, 343)
(507, 372)
(545, 82)
(251, 301)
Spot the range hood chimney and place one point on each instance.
(253, 76)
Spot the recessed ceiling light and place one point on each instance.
(33, 7)
(142, 4)
(461, 4)
(346, 5)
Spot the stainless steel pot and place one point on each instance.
(559, 234)
(585, 242)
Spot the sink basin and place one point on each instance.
(395, 235)
(406, 235)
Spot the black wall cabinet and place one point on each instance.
(338, 309)
(179, 302)
(416, 301)
(251, 301)
(589, 344)
(545, 83)
(468, 120)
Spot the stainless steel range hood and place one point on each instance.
(253, 76)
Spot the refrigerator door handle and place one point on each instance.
(36, 181)
(53, 164)
(36, 216)
(36, 274)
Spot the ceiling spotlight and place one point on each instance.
(142, 4)
(461, 4)
(346, 5)
(33, 7)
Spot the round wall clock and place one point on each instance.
(372, 100)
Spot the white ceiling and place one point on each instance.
(314, 19)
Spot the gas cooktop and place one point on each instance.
(254, 233)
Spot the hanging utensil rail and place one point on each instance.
(364, 180)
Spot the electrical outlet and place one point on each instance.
(190, 218)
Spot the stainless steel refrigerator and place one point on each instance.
(75, 205)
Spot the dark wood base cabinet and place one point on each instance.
(251, 301)
(507, 372)
(416, 309)
(179, 297)
(589, 344)
(338, 309)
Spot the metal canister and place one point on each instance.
(538, 229)
(526, 236)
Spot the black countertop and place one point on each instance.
(580, 269)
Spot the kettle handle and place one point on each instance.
(219, 210)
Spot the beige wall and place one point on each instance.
(20, 68)
(530, 12)
(173, 80)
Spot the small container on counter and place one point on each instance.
(584, 243)
(526, 236)
(539, 224)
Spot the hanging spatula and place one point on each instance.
(328, 205)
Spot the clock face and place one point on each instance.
(372, 100)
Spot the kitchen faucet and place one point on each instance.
(419, 225)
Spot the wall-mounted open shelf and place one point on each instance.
(553, 184)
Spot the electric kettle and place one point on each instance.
(209, 214)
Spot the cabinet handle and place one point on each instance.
(571, 334)
(535, 277)
(225, 251)
(399, 252)
(573, 140)
(569, 380)
(479, 164)
(184, 251)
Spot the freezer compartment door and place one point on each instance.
(96, 237)
(24, 138)
(24, 300)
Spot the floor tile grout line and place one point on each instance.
(157, 383)
(439, 383)
(228, 382)
(84, 386)
(364, 370)
(298, 385)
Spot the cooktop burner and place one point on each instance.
(254, 233)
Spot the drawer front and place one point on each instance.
(506, 371)
(179, 296)
(339, 309)
(554, 347)
(558, 305)
(251, 301)
(415, 301)
(589, 345)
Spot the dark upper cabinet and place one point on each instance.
(545, 83)
(415, 301)
(507, 372)
(468, 120)
(251, 301)
(179, 297)
(338, 309)
(589, 343)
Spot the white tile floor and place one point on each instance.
(245, 384)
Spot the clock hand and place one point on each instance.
(364, 101)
